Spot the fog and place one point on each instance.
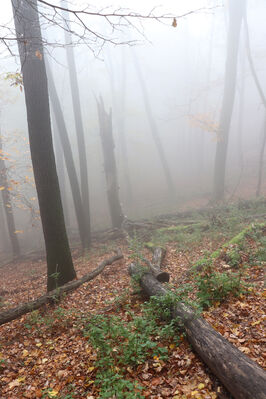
(165, 86)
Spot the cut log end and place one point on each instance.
(163, 277)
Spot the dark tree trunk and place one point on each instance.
(84, 231)
(243, 378)
(10, 221)
(83, 166)
(29, 39)
(236, 13)
(108, 146)
(154, 128)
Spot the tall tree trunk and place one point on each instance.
(83, 227)
(154, 127)
(3, 231)
(236, 13)
(260, 165)
(60, 268)
(106, 133)
(241, 114)
(83, 166)
(10, 221)
(60, 165)
(263, 99)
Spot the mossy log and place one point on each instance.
(243, 378)
(55, 295)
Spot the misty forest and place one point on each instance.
(132, 199)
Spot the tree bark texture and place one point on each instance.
(52, 296)
(243, 378)
(84, 231)
(236, 13)
(29, 39)
(108, 146)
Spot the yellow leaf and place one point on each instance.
(256, 322)
(90, 369)
(201, 386)
(172, 346)
(39, 344)
(21, 379)
(53, 393)
(25, 353)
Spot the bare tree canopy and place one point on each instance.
(94, 26)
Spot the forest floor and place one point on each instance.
(103, 341)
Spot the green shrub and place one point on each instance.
(215, 286)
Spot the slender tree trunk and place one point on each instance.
(60, 165)
(260, 165)
(106, 133)
(154, 127)
(59, 261)
(241, 114)
(263, 99)
(83, 227)
(3, 230)
(83, 166)
(8, 206)
(236, 13)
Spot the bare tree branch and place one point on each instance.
(83, 31)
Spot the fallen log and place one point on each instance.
(55, 295)
(243, 378)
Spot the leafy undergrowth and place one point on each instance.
(102, 340)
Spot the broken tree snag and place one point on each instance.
(155, 264)
(52, 296)
(243, 378)
(108, 146)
